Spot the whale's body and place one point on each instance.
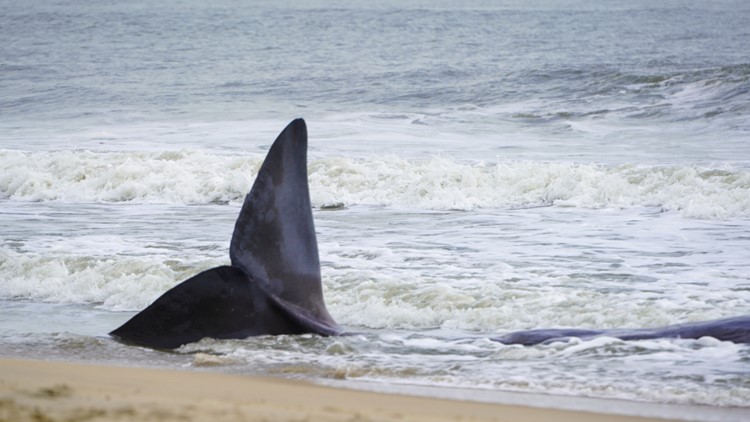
(735, 329)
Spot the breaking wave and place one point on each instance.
(199, 177)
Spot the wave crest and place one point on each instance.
(198, 177)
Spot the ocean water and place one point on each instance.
(475, 168)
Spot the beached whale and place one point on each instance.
(735, 329)
(273, 284)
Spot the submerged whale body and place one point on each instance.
(273, 284)
(735, 329)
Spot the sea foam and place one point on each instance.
(200, 177)
(112, 282)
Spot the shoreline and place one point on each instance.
(555, 401)
(52, 390)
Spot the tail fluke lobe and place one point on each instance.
(274, 238)
(218, 303)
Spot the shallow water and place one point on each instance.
(425, 289)
(474, 169)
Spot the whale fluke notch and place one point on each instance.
(273, 285)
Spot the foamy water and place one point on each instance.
(198, 177)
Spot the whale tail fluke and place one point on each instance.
(273, 285)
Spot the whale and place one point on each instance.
(735, 329)
(273, 285)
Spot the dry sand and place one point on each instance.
(56, 391)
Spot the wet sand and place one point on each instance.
(55, 391)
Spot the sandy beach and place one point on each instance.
(56, 391)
